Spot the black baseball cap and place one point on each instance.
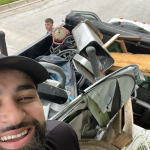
(26, 65)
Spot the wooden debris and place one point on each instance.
(125, 59)
(115, 134)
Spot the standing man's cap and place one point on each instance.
(29, 66)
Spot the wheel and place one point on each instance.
(69, 42)
(68, 54)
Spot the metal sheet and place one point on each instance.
(84, 35)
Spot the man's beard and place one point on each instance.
(37, 141)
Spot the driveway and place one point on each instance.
(25, 25)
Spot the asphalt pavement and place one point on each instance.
(25, 25)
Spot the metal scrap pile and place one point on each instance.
(91, 88)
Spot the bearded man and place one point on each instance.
(22, 122)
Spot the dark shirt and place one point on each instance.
(60, 136)
(49, 32)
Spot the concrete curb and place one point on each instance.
(15, 5)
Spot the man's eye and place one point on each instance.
(24, 98)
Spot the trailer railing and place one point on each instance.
(3, 47)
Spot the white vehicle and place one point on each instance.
(124, 22)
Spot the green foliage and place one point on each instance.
(2, 2)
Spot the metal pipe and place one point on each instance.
(91, 51)
(144, 104)
(3, 47)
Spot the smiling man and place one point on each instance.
(22, 122)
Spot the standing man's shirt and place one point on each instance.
(49, 32)
(60, 136)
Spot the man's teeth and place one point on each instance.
(9, 137)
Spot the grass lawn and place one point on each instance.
(2, 2)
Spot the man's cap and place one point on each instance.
(26, 65)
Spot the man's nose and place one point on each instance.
(11, 113)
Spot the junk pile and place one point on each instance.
(96, 88)
(100, 89)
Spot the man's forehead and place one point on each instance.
(8, 75)
(47, 22)
(12, 73)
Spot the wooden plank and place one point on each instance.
(129, 38)
(117, 123)
(121, 140)
(115, 134)
(128, 118)
(123, 46)
(126, 136)
(108, 43)
(113, 129)
(113, 39)
(125, 59)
